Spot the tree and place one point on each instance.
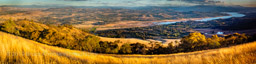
(108, 47)
(171, 48)
(159, 49)
(91, 43)
(10, 26)
(125, 49)
(35, 35)
(194, 40)
(236, 38)
(214, 41)
(138, 48)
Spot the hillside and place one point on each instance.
(64, 36)
(14, 49)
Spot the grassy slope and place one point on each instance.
(125, 40)
(15, 49)
(135, 40)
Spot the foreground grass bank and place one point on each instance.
(15, 49)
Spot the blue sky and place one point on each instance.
(127, 2)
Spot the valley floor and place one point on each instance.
(128, 24)
(14, 49)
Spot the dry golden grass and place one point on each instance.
(125, 40)
(135, 40)
(15, 49)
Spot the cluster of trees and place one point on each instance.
(164, 31)
(193, 42)
(181, 29)
(64, 36)
(197, 41)
(126, 48)
(67, 36)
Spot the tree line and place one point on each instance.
(67, 36)
(192, 42)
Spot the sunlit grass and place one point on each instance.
(15, 49)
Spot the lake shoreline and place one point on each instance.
(132, 24)
(231, 15)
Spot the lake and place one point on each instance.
(231, 14)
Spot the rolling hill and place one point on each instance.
(14, 49)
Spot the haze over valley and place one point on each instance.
(128, 31)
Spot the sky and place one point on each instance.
(129, 3)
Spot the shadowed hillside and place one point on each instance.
(15, 49)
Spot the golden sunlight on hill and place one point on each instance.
(15, 49)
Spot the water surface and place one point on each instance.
(231, 15)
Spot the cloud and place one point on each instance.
(199, 1)
(74, 0)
